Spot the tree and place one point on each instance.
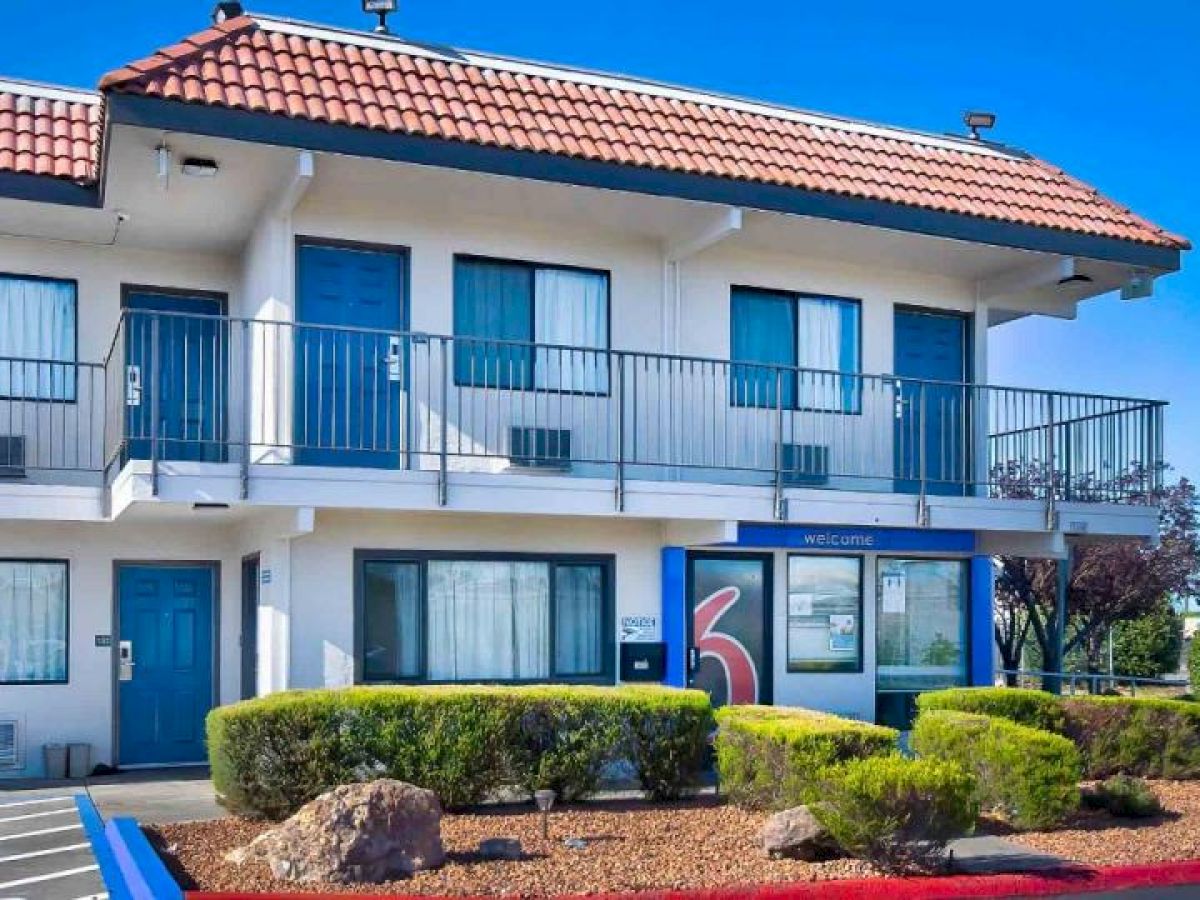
(1150, 646)
(1110, 582)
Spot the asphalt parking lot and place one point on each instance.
(44, 853)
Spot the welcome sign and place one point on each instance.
(862, 540)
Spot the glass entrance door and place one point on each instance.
(729, 653)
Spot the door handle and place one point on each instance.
(133, 385)
(125, 661)
(394, 359)
(693, 659)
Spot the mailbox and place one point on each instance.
(643, 661)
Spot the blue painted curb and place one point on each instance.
(130, 867)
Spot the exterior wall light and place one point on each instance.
(978, 120)
(199, 167)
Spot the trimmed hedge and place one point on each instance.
(1037, 709)
(272, 755)
(1141, 736)
(1028, 775)
(897, 813)
(772, 757)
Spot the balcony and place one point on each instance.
(180, 388)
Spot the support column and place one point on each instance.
(982, 653)
(674, 613)
(1058, 626)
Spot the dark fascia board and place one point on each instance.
(48, 189)
(222, 122)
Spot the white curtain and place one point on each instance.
(821, 325)
(579, 595)
(571, 309)
(33, 621)
(488, 620)
(37, 322)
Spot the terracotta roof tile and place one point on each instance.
(49, 131)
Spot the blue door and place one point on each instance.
(177, 345)
(165, 662)
(932, 348)
(350, 357)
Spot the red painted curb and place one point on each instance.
(1074, 879)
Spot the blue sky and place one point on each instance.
(1107, 89)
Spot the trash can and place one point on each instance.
(80, 760)
(55, 756)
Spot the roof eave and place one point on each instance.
(48, 189)
(223, 122)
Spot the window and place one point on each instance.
(33, 622)
(502, 308)
(37, 338)
(824, 614)
(439, 617)
(799, 350)
(921, 626)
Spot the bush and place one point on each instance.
(272, 755)
(771, 757)
(1193, 664)
(1036, 709)
(1125, 797)
(1141, 736)
(1148, 646)
(897, 813)
(1029, 776)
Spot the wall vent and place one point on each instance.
(12, 456)
(546, 449)
(804, 465)
(10, 742)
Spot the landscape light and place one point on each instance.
(544, 800)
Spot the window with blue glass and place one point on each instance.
(526, 326)
(37, 338)
(800, 351)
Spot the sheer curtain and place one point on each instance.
(392, 620)
(828, 340)
(488, 620)
(37, 322)
(571, 309)
(578, 595)
(33, 621)
(491, 306)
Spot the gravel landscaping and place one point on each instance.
(1096, 837)
(628, 847)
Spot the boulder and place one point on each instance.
(501, 848)
(796, 834)
(369, 832)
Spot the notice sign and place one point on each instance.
(635, 629)
(892, 585)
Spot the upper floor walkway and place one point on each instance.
(245, 400)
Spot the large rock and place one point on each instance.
(369, 832)
(796, 834)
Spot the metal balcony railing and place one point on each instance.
(256, 392)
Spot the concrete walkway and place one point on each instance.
(159, 795)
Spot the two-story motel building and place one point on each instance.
(330, 358)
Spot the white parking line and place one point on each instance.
(40, 831)
(31, 802)
(93, 897)
(33, 853)
(33, 879)
(37, 815)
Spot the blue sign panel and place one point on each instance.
(858, 540)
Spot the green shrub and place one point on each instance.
(1036, 709)
(1029, 776)
(1193, 665)
(1142, 736)
(897, 813)
(770, 757)
(272, 755)
(1148, 646)
(1125, 797)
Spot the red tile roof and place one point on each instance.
(49, 131)
(359, 81)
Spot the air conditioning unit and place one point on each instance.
(12, 456)
(804, 465)
(10, 742)
(543, 449)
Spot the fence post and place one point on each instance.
(922, 449)
(154, 410)
(247, 410)
(443, 462)
(778, 498)
(1051, 466)
(620, 485)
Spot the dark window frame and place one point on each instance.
(533, 267)
(72, 383)
(855, 406)
(606, 563)
(66, 565)
(832, 668)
